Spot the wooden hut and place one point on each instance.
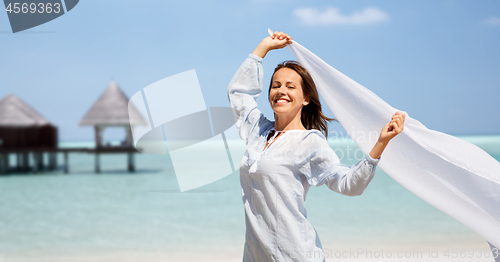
(111, 110)
(23, 130)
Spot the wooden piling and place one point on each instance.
(52, 161)
(97, 163)
(18, 161)
(66, 164)
(35, 163)
(131, 162)
(7, 164)
(25, 161)
(4, 165)
(39, 157)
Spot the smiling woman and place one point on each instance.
(300, 85)
(286, 93)
(286, 156)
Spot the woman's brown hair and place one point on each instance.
(312, 117)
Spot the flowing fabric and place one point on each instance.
(449, 173)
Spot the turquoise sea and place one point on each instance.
(143, 216)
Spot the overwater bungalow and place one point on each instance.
(111, 110)
(24, 130)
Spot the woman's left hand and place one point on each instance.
(389, 131)
(393, 128)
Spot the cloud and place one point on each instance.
(332, 16)
(491, 21)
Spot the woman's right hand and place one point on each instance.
(277, 41)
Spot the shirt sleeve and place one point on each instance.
(244, 88)
(317, 161)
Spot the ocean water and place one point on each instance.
(143, 216)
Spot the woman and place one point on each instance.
(286, 156)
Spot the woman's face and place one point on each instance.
(286, 95)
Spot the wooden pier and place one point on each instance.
(37, 156)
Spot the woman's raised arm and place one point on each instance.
(246, 84)
(277, 41)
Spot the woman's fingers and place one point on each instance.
(279, 40)
(399, 117)
(276, 40)
(397, 128)
(398, 120)
(281, 36)
(394, 127)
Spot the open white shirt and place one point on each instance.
(275, 181)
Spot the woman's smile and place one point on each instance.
(281, 101)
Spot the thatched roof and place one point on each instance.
(112, 109)
(16, 113)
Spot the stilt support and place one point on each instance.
(52, 161)
(131, 162)
(97, 163)
(66, 162)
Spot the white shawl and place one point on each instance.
(449, 173)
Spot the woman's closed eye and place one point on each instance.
(291, 87)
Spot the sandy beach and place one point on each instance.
(444, 253)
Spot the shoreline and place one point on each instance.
(478, 252)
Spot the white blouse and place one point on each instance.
(275, 180)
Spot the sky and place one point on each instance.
(437, 60)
